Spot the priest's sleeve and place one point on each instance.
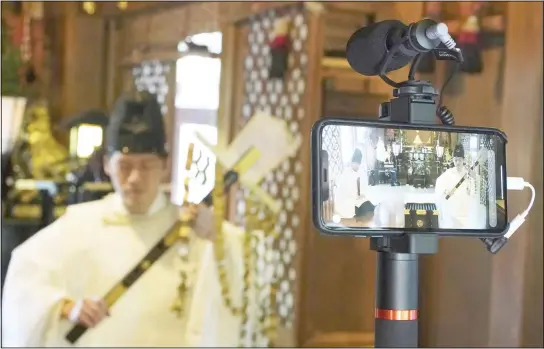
(33, 291)
(439, 193)
(210, 323)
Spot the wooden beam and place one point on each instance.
(341, 339)
(355, 6)
(137, 8)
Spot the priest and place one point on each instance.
(57, 279)
(456, 198)
(350, 187)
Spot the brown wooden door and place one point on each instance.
(338, 293)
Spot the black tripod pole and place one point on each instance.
(396, 300)
(397, 288)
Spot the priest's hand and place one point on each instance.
(203, 220)
(87, 312)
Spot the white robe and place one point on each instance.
(80, 255)
(457, 211)
(345, 194)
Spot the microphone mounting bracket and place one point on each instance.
(440, 53)
(414, 100)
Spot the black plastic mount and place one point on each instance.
(413, 103)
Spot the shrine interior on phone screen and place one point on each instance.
(393, 178)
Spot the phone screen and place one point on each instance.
(397, 178)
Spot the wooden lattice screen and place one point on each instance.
(283, 99)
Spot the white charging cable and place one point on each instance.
(518, 183)
(512, 183)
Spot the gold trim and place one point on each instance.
(59, 211)
(145, 264)
(114, 294)
(247, 160)
(26, 211)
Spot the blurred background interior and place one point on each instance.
(64, 63)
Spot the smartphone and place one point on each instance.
(374, 178)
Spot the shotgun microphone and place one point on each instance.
(368, 46)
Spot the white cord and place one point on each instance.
(440, 31)
(533, 195)
(518, 183)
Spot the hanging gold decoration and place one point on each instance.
(219, 203)
(47, 156)
(247, 258)
(184, 233)
(89, 7)
(122, 5)
(258, 218)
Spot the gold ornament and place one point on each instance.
(219, 203)
(268, 322)
(122, 5)
(269, 319)
(184, 234)
(258, 217)
(89, 7)
(47, 156)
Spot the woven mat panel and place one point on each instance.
(283, 99)
(332, 144)
(152, 76)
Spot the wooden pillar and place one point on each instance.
(472, 298)
(305, 321)
(514, 294)
(111, 69)
(83, 68)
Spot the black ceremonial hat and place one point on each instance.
(459, 151)
(357, 156)
(365, 208)
(136, 126)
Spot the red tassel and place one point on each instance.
(468, 38)
(280, 41)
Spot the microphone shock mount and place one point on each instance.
(414, 100)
